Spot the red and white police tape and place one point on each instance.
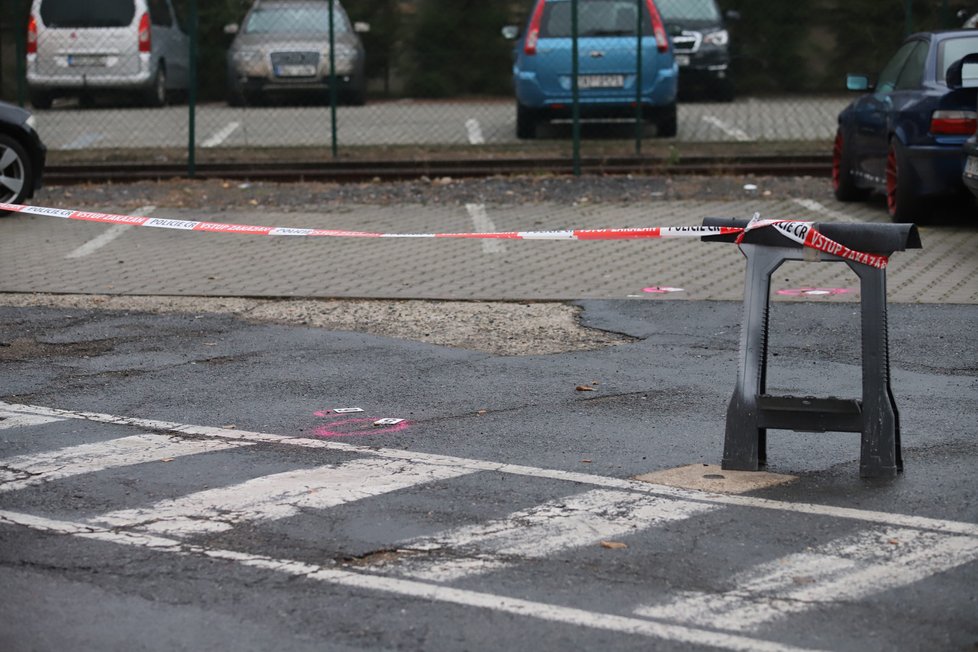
(801, 232)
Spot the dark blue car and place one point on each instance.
(904, 137)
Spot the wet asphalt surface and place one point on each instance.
(488, 547)
(657, 403)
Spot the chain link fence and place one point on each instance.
(290, 80)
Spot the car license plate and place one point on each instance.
(600, 81)
(92, 60)
(682, 59)
(971, 167)
(295, 71)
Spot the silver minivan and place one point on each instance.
(100, 47)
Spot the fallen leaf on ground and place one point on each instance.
(613, 545)
(584, 388)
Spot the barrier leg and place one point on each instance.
(745, 441)
(880, 455)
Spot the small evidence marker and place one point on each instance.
(347, 410)
(387, 422)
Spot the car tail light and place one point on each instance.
(32, 36)
(533, 33)
(658, 28)
(953, 123)
(145, 40)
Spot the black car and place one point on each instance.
(22, 155)
(964, 74)
(701, 43)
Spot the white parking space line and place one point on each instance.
(830, 511)
(840, 572)
(16, 420)
(410, 588)
(728, 129)
(483, 224)
(543, 530)
(26, 470)
(278, 496)
(107, 236)
(87, 139)
(818, 207)
(221, 135)
(474, 130)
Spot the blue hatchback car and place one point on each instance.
(904, 136)
(609, 73)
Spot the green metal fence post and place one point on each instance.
(908, 15)
(20, 51)
(192, 93)
(575, 99)
(638, 79)
(333, 91)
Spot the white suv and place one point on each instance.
(91, 47)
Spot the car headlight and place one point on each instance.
(344, 53)
(247, 57)
(718, 38)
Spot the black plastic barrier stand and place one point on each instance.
(752, 410)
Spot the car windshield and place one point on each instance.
(952, 49)
(91, 13)
(688, 10)
(312, 18)
(594, 18)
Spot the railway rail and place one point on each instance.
(819, 166)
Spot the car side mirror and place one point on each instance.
(231, 28)
(510, 32)
(963, 73)
(361, 27)
(858, 83)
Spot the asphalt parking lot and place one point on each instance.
(429, 445)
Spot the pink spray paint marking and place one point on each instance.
(813, 292)
(356, 427)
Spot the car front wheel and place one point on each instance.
(16, 174)
(901, 202)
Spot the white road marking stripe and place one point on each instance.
(818, 207)
(831, 511)
(26, 470)
(412, 589)
(107, 236)
(15, 420)
(572, 522)
(221, 135)
(278, 496)
(474, 130)
(483, 224)
(840, 572)
(730, 130)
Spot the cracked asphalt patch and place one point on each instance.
(499, 328)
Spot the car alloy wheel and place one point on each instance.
(16, 177)
(843, 183)
(901, 203)
(837, 162)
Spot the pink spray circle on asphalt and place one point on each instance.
(661, 289)
(357, 427)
